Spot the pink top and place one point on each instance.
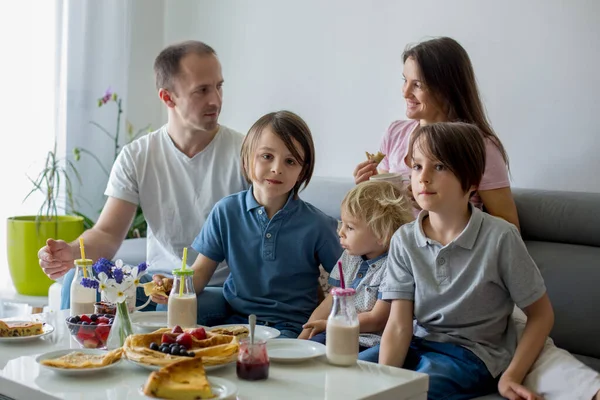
(395, 146)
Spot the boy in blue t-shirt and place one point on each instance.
(272, 241)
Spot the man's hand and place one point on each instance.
(510, 389)
(315, 327)
(56, 258)
(364, 171)
(159, 280)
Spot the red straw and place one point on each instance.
(342, 283)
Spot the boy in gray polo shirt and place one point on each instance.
(460, 272)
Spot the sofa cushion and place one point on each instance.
(572, 276)
(564, 217)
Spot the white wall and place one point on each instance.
(338, 65)
(147, 40)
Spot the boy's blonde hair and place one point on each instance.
(382, 205)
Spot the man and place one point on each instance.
(176, 173)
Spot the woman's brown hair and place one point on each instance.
(446, 71)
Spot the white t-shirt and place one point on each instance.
(176, 192)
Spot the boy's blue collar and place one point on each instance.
(252, 204)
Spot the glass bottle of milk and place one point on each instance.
(181, 310)
(342, 329)
(82, 298)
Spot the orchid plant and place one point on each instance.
(114, 280)
(138, 227)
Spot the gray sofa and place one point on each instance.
(562, 233)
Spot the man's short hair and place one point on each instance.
(167, 64)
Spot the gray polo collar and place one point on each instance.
(467, 237)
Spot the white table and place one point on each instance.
(22, 378)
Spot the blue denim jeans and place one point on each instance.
(65, 294)
(455, 373)
(213, 310)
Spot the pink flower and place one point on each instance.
(108, 95)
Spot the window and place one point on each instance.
(27, 39)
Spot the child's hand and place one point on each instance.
(510, 389)
(315, 327)
(161, 285)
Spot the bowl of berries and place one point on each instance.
(90, 330)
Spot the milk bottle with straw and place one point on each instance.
(342, 326)
(182, 300)
(82, 298)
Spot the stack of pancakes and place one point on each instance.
(214, 350)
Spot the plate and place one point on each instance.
(149, 321)
(207, 368)
(261, 332)
(294, 350)
(221, 388)
(71, 371)
(46, 328)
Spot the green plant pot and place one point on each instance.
(25, 237)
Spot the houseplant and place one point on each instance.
(138, 226)
(27, 234)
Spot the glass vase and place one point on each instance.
(121, 327)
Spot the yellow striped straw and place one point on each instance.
(82, 250)
(183, 266)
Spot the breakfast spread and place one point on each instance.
(377, 158)
(239, 331)
(178, 344)
(185, 379)
(79, 360)
(20, 329)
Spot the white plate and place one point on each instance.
(72, 371)
(46, 330)
(294, 350)
(221, 388)
(261, 332)
(207, 368)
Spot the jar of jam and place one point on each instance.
(253, 360)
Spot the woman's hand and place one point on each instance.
(364, 171)
(316, 327)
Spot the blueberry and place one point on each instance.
(77, 318)
(183, 347)
(109, 316)
(175, 351)
(93, 323)
(110, 321)
(191, 354)
(79, 322)
(72, 320)
(172, 344)
(182, 352)
(165, 350)
(153, 346)
(84, 323)
(93, 317)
